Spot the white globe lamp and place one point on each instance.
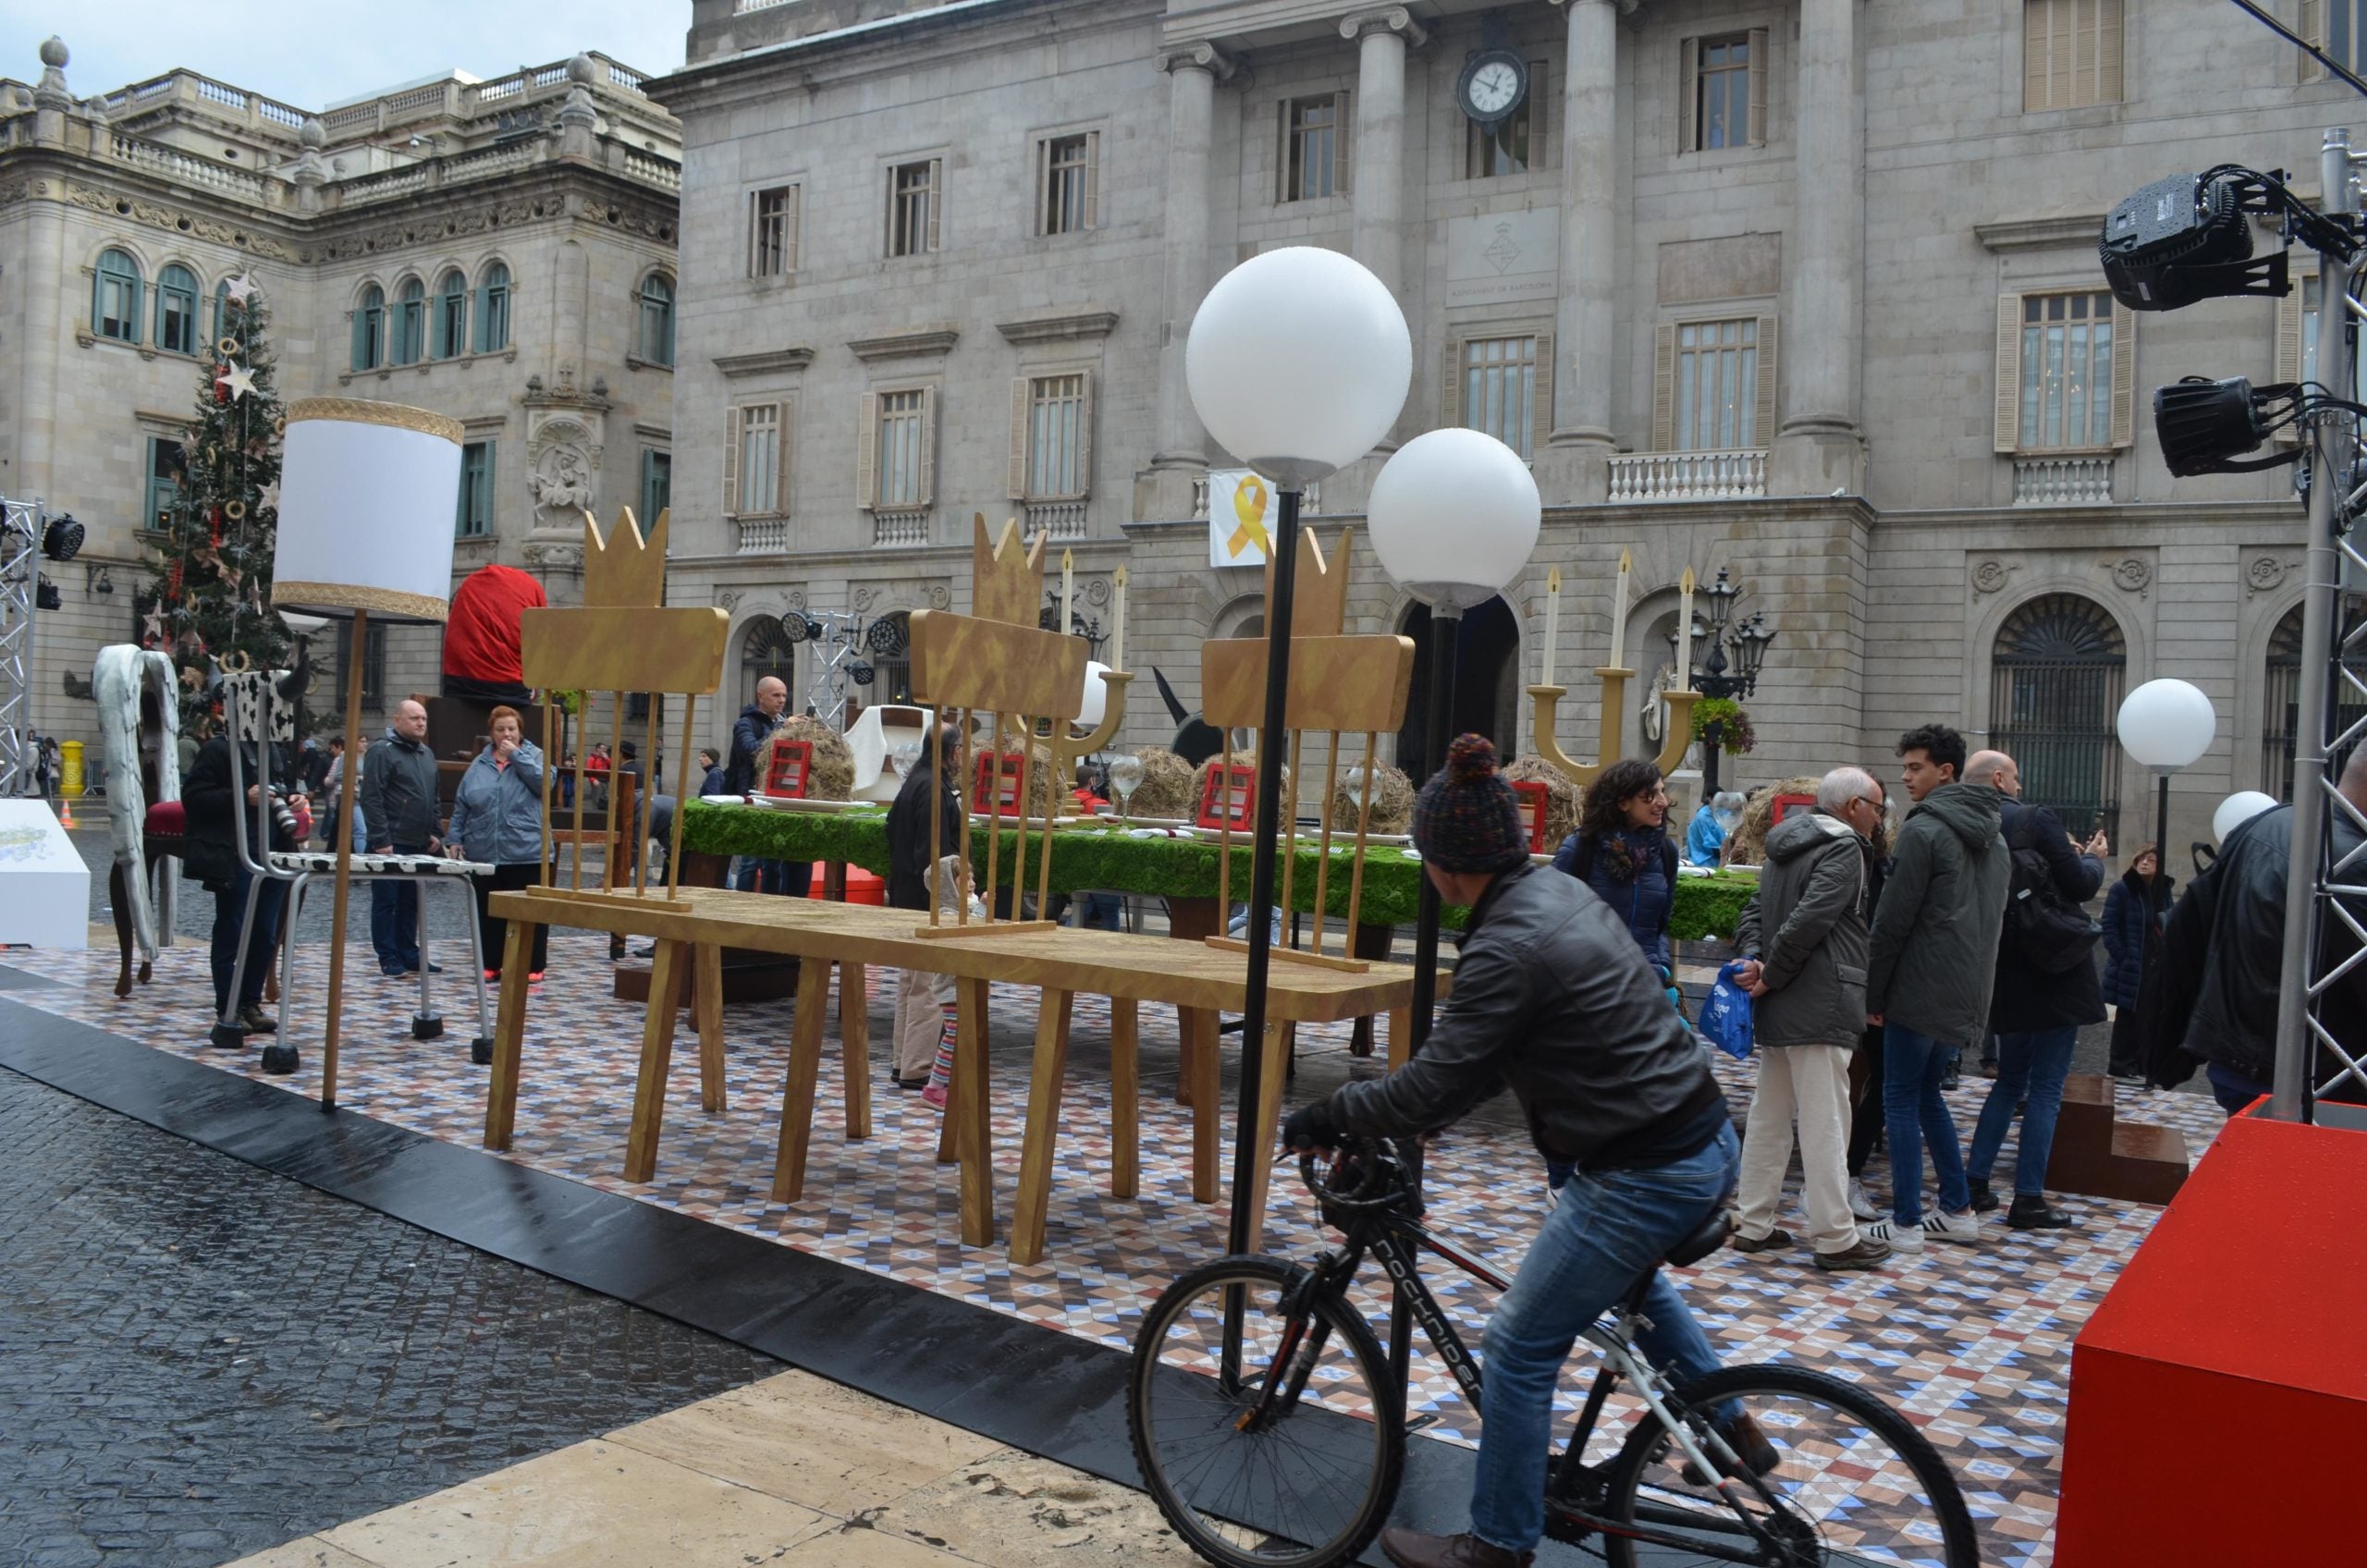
(2166, 725)
(2236, 810)
(1096, 696)
(1454, 517)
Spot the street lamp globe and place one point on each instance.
(1097, 695)
(1453, 516)
(1299, 362)
(2236, 810)
(2166, 724)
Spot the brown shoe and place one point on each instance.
(1860, 1254)
(1751, 1445)
(1413, 1549)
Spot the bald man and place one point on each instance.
(745, 774)
(397, 802)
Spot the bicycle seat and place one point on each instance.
(1707, 1238)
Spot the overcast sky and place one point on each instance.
(308, 53)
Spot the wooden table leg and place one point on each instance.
(972, 1112)
(706, 1008)
(1401, 1036)
(1279, 1038)
(855, 1046)
(1125, 1091)
(656, 1056)
(1199, 1026)
(805, 1072)
(1187, 1054)
(508, 1035)
(1042, 1128)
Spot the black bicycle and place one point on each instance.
(1272, 1435)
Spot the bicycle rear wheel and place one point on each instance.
(1310, 1488)
(1855, 1483)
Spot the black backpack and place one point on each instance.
(2044, 931)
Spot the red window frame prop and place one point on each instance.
(788, 769)
(985, 797)
(1535, 798)
(1786, 807)
(1240, 796)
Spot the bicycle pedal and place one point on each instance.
(1428, 1418)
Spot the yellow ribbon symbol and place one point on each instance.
(1249, 505)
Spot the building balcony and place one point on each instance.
(908, 527)
(1056, 520)
(1310, 505)
(1688, 476)
(763, 536)
(2062, 482)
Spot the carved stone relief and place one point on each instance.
(2265, 574)
(941, 596)
(1990, 575)
(2132, 575)
(156, 216)
(563, 468)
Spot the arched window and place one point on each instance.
(2281, 709)
(115, 301)
(451, 336)
(406, 345)
(221, 311)
(765, 649)
(370, 329)
(493, 309)
(2055, 682)
(892, 680)
(177, 310)
(655, 338)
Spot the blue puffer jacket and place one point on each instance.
(1645, 902)
(498, 813)
(2124, 923)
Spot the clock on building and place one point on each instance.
(1492, 85)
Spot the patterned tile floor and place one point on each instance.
(1974, 1344)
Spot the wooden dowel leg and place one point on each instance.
(804, 1073)
(1125, 1090)
(1049, 1077)
(1201, 1027)
(1401, 1036)
(1279, 1038)
(657, 1057)
(971, 1112)
(854, 1048)
(508, 1035)
(707, 1007)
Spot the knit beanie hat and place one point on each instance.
(1466, 818)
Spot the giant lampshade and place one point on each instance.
(2166, 724)
(1299, 362)
(2239, 809)
(1453, 516)
(365, 510)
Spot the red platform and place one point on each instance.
(2220, 1390)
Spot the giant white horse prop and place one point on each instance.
(140, 725)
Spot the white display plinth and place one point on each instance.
(44, 886)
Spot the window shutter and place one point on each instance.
(784, 414)
(1756, 128)
(1084, 437)
(1022, 397)
(1771, 375)
(1282, 151)
(2008, 436)
(1451, 386)
(792, 228)
(936, 201)
(731, 463)
(866, 450)
(928, 445)
(1688, 72)
(2036, 19)
(1092, 180)
(1663, 387)
(887, 227)
(2288, 348)
(2313, 27)
(1542, 430)
(1343, 109)
(1043, 186)
(2124, 376)
(755, 233)
(489, 489)
(2109, 51)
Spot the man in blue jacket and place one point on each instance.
(745, 774)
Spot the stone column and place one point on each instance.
(1820, 445)
(1376, 176)
(1576, 462)
(51, 279)
(1164, 490)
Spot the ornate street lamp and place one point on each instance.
(1299, 362)
(1728, 665)
(2165, 725)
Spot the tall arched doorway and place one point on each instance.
(2054, 684)
(1486, 698)
(765, 649)
(2281, 705)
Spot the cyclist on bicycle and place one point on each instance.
(1553, 997)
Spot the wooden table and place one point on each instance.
(1199, 981)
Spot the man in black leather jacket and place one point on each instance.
(1552, 997)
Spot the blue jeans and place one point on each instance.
(394, 924)
(261, 944)
(790, 877)
(1100, 912)
(1914, 1109)
(1607, 1228)
(2232, 1089)
(2032, 1065)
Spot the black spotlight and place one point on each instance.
(2205, 426)
(62, 540)
(885, 637)
(2189, 238)
(862, 674)
(46, 597)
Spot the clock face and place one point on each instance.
(1494, 88)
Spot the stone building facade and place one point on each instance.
(1805, 289)
(500, 251)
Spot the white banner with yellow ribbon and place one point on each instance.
(1241, 511)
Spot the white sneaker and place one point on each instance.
(1859, 1204)
(1898, 1238)
(1963, 1230)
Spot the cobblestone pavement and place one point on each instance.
(200, 1360)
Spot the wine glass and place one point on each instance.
(1354, 781)
(1125, 778)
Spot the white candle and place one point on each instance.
(1619, 614)
(1552, 623)
(1685, 631)
(1068, 589)
(1118, 619)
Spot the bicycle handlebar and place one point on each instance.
(1361, 1173)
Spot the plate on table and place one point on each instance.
(783, 802)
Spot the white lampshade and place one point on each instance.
(2166, 724)
(2236, 810)
(365, 510)
(1096, 696)
(1299, 362)
(1454, 517)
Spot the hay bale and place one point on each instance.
(831, 776)
(1166, 790)
(1393, 803)
(1240, 759)
(1748, 844)
(1563, 796)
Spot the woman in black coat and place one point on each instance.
(2139, 901)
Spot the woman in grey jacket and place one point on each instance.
(498, 817)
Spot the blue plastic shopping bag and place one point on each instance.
(1725, 1016)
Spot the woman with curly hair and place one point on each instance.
(1622, 851)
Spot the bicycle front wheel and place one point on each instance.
(1308, 1486)
(1855, 1483)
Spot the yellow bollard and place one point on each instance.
(70, 780)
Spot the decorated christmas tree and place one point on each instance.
(208, 601)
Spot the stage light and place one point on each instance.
(2206, 426)
(862, 674)
(62, 540)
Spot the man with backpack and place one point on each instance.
(2046, 988)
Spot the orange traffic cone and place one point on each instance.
(65, 813)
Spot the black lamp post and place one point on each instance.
(1715, 674)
